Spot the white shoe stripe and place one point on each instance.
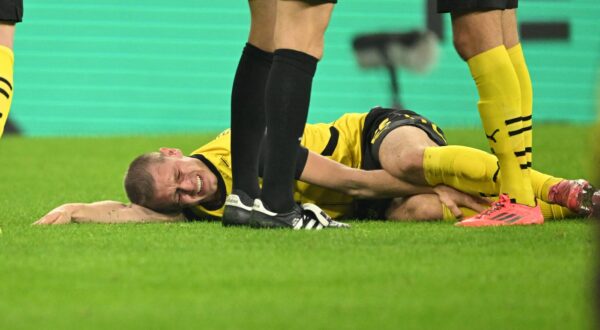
(259, 207)
(298, 225)
(234, 200)
(321, 216)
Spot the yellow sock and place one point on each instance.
(518, 61)
(541, 184)
(474, 172)
(6, 84)
(466, 169)
(555, 211)
(500, 111)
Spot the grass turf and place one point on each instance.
(199, 275)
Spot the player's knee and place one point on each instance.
(418, 207)
(261, 42)
(411, 160)
(463, 45)
(301, 26)
(426, 207)
(312, 46)
(315, 49)
(7, 32)
(469, 43)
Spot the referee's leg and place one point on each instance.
(299, 38)
(248, 112)
(248, 101)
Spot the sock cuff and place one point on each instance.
(430, 160)
(7, 53)
(258, 54)
(298, 59)
(489, 61)
(515, 54)
(544, 189)
(514, 50)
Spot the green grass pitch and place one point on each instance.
(377, 275)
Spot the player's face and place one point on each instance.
(182, 181)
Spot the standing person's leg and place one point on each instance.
(515, 52)
(299, 39)
(479, 39)
(248, 111)
(11, 12)
(7, 31)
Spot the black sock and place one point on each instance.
(248, 117)
(286, 102)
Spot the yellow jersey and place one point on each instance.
(339, 141)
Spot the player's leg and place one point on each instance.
(409, 153)
(7, 32)
(425, 207)
(401, 153)
(11, 12)
(397, 140)
(248, 112)
(478, 38)
(515, 52)
(299, 38)
(428, 207)
(476, 172)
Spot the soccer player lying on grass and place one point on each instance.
(385, 164)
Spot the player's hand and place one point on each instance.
(454, 200)
(59, 216)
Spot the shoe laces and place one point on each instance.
(497, 205)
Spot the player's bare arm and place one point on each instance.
(324, 172)
(104, 212)
(363, 184)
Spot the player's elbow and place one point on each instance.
(425, 207)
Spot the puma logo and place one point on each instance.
(491, 137)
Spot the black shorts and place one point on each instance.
(452, 6)
(378, 124)
(11, 10)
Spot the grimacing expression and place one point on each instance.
(182, 181)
